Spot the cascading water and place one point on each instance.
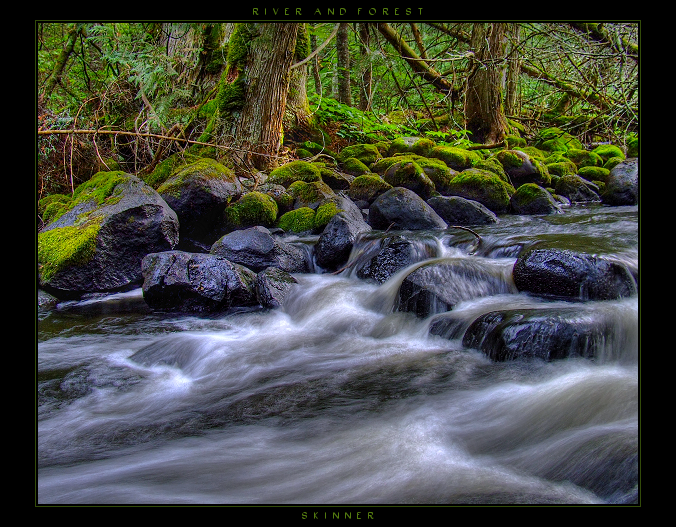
(340, 396)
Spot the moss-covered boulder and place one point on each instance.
(411, 176)
(485, 187)
(355, 167)
(605, 152)
(309, 194)
(584, 158)
(297, 220)
(367, 188)
(336, 179)
(294, 171)
(199, 192)
(415, 145)
(456, 158)
(98, 240)
(523, 168)
(554, 139)
(533, 199)
(594, 173)
(282, 196)
(562, 168)
(366, 153)
(577, 189)
(632, 147)
(253, 208)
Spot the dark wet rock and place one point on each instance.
(257, 249)
(567, 274)
(395, 253)
(196, 282)
(456, 210)
(547, 334)
(622, 184)
(338, 237)
(272, 285)
(533, 199)
(402, 209)
(577, 189)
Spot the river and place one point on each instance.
(336, 398)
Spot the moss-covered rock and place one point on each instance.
(483, 186)
(533, 199)
(632, 147)
(411, 176)
(294, 171)
(523, 168)
(584, 158)
(100, 236)
(52, 206)
(456, 158)
(336, 179)
(365, 152)
(555, 138)
(297, 220)
(282, 197)
(416, 145)
(253, 208)
(309, 194)
(577, 189)
(368, 187)
(326, 210)
(492, 164)
(354, 167)
(613, 162)
(513, 141)
(562, 168)
(594, 173)
(198, 192)
(608, 151)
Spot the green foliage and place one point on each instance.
(356, 125)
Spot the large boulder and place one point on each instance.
(403, 209)
(368, 188)
(570, 275)
(198, 193)
(256, 248)
(114, 220)
(456, 210)
(335, 243)
(196, 282)
(622, 184)
(253, 208)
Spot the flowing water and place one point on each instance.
(338, 398)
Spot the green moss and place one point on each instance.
(456, 158)
(613, 162)
(584, 158)
(254, 208)
(206, 167)
(608, 151)
(49, 206)
(561, 138)
(324, 213)
(509, 159)
(355, 167)
(513, 141)
(294, 171)
(298, 220)
(368, 187)
(366, 153)
(562, 168)
(307, 193)
(410, 175)
(594, 173)
(65, 247)
(101, 187)
(482, 186)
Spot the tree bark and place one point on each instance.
(484, 110)
(259, 128)
(343, 65)
(365, 92)
(55, 76)
(297, 115)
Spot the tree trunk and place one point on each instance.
(259, 128)
(513, 71)
(55, 76)
(343, 65)
(484, 110)
(297, 115)
(365, 92)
